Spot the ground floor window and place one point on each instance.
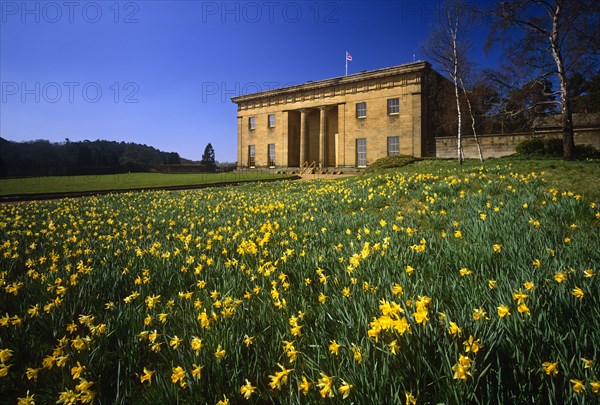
(393, 145)
(361, 152)
(251, 156)
(271, 154)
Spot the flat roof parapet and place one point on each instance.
(336, 81)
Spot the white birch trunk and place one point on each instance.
(454, 33)
(472, 121)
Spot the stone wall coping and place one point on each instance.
(538, 132)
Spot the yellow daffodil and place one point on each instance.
(472, 345)
(550, 368)
(479, 314)
(334, 348)
(279, 378)
(178, 376)
(27, 400)
(304, 385)
(175, 342)
(77, 370)
(248, 340)
(325, 383)
(147, 376)
(4, 369)
(220, 353)
(503, 311)
(410, 398)
(247, 389)
(465, 272)
(560, 276)
(460, 372)
(224, 401)
(345, 389)
(578, 293)
(454, 330)
(578, 386)
(5, 355)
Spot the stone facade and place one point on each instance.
(348, 121)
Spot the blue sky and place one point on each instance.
(162, 73)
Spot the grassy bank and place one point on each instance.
(443, 284)
(580, 176)
(62, 184)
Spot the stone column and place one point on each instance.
(340, 157)
(417, 116)
(240, 161)
(323, 113)
(337, 149)
(302, 136)
(281, 154)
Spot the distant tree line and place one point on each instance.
(42, 157)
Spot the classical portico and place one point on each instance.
(311, 136)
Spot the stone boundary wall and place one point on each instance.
(497, 145)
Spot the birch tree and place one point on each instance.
(550, 39)
(447, 46)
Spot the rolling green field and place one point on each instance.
(61, 184)
(431, 283)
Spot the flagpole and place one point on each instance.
(346, 57)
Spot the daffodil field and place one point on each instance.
(467, 285)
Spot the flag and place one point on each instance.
(348, 56)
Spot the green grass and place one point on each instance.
(582, 177)
(65, 184)
(405, 269)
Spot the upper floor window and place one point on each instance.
(271, 120)
(251, 122)
(361, 110)
(393, 106)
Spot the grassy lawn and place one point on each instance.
(58, 184)
(432, 282)
(581, 177)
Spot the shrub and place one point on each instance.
(586, 152)
(553, 147)
(391, 161)
(532, 146)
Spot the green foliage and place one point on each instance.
(330, 257)
(553, 147)
(532, 146)
(208, 157)
(41, 157)
(391, 162)
(587, 152)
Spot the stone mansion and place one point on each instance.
(347, 121)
